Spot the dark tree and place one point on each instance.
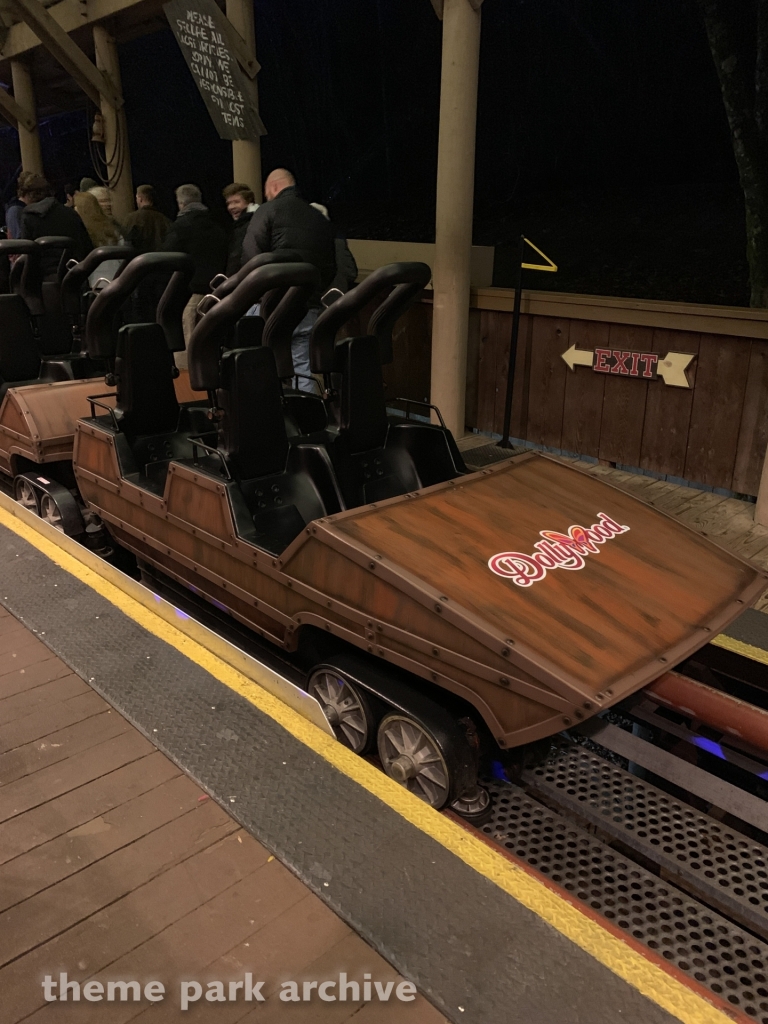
(738, 39)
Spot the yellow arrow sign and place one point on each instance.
(549, 265)
(672, 368)
(641, 365)
(578, 357)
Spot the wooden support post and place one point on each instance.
(246, 155)
(453, 221)
(118, 154)
(65, 50)
(29, 138)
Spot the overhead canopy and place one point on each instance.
(62, 86)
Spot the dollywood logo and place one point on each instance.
(556, 551)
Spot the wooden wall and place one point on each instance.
(715, 433)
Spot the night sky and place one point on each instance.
(601, 132)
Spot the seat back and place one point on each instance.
(252, 430)
(19, 352)
(100, 336)
(248, 332)
(146, 399)
(398, 285)
(363, 414)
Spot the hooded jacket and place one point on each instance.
(49, 217)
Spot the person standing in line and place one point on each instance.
(346, 265)
(102, 232)
(196, 232)
(287, 222)
(241, 205)
(146, 228)
(45, 215)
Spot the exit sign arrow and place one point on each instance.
(578, 357)
(628, 363)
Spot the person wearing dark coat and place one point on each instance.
(45, 215)
(145, 231)
(196, 232)
(146, 228)
(286, 222)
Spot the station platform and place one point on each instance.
(164, 817)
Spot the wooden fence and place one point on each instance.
(713, 433)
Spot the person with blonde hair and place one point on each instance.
(102, 231)
(103, 197)
(98, 225)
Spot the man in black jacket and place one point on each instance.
(287, 223)
(196, 232)
(45, 215)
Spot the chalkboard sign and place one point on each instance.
(205, 38)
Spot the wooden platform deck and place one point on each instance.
(727, 521)
(115, 866)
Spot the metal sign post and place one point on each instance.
(522, 265)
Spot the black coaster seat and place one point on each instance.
(151, 427)
(305, 413)
(283, 486)
(276, 486)
(376, 457)
(38, 339)
(21, 361)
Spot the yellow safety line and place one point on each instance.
(739, 647)
(619, 957)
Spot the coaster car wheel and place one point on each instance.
(50, 500)
(412, 756)
(347, 709)
(26, 495)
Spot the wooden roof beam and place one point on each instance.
(69, 15)
(16, 114)
(64, 50)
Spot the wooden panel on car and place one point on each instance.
(637, 596)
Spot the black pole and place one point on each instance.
(505, 442)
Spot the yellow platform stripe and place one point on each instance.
(622, 959)
(739, 647)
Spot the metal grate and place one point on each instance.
(722, 867)
(722, 958)
(487, 454)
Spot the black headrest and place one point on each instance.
(171, 307)
(100, 337)
(212, 332)
(24, 277)
(16, 246)
(404, 281)
(76, 277)
(262, 260)
(61, 243)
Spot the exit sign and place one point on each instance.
(646, 366)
